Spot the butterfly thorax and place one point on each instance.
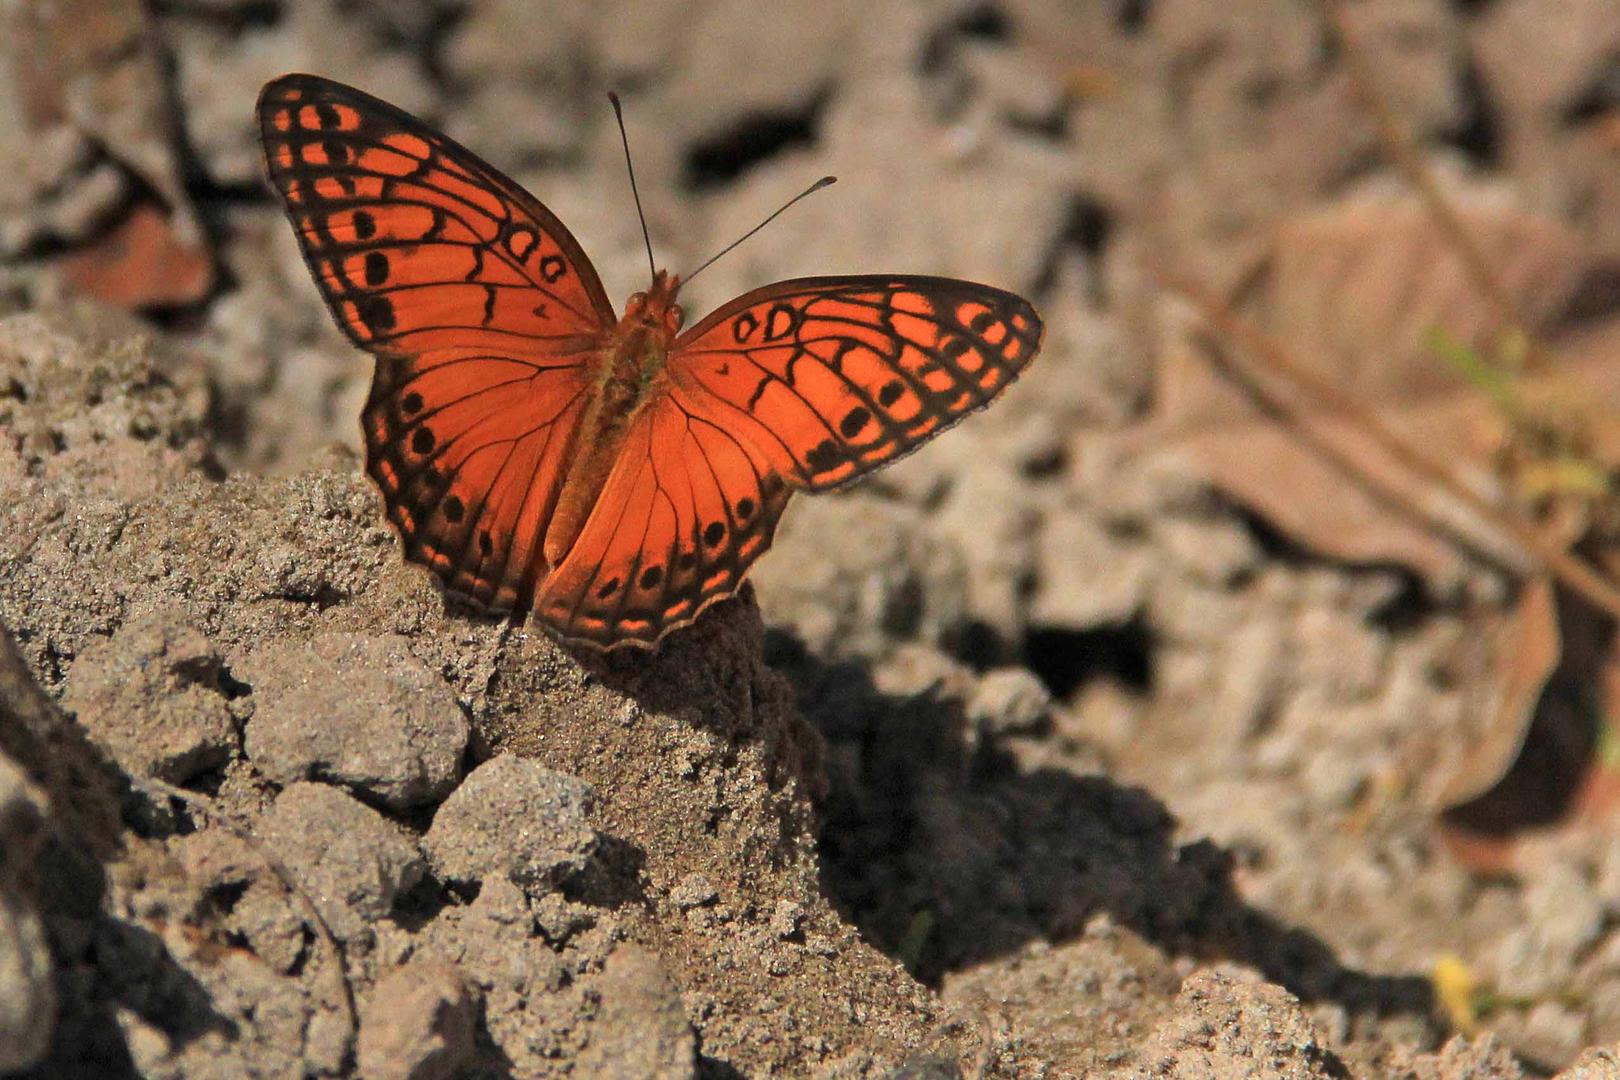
(630, 369)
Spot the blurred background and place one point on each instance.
(1322, 593)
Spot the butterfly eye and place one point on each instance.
(674, 316)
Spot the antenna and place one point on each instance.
(618, 113)
(825, 181)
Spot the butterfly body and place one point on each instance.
(612, 476)
(631, 366)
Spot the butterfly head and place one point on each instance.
(656, 308)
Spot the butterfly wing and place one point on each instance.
(806, 384)
(833, 377)
(686, 509)
(486, 318)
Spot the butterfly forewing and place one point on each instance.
(833, 377)
(484, 315)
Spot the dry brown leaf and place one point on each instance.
(1528, 649)
(142, 264)
(1352, 293)
(1538, 764)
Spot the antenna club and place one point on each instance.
(812, 189)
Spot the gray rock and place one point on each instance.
(418, 1025)
(389, 728)
(351, 860)
(642, 1030)
(150, 696)
(514, 818)
(27, 979)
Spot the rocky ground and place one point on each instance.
(1037, 755)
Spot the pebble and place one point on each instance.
(1010, 701)
(150, 695)
(514, 818)
(642, 1030)
(350, 860)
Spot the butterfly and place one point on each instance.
(611, 477)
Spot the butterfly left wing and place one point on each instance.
(417, 244)
(484, 315)
(806, 384)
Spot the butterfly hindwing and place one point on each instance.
(833, 377)
(485, 317)
(684, 513)
(470, 460)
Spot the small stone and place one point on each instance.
(514, 818)
(352, 861)
(390, 729)
(327, 1042)
(560, 918)
(693, 890)
(642, 1030)
(150, 695)
(1010, 701)
(786, 918)
(418, 1025)
(927, 1067)
(253, 900)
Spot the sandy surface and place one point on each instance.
(1034, 756)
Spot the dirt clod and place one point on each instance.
(151, 696)
(513, 818)
(353, 862)
(642, 1031)
(390, 730)
(418, 1025)
(1236, 1028)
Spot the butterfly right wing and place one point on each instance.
(486, 318)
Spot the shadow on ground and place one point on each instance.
(947, 854)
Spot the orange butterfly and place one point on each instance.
(613, 476)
